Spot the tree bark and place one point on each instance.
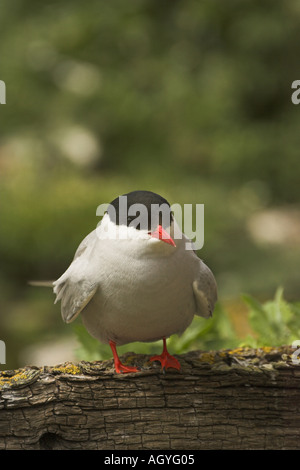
(228, 399)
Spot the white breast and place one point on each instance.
(145, 292)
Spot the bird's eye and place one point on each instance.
(130, 219)
(136, 224)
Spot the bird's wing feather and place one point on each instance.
(205, 291)
(74, 294)
(75, 288)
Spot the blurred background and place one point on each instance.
(188, 99)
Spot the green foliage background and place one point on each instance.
(189, 99)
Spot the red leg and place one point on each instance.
(118, 364)
(166, 359)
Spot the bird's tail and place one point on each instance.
(41, 283)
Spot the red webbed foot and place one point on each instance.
(119, 367)
(166, 359)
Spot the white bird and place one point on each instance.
(136, 282)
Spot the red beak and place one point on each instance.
(161, 234)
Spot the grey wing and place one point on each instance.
(205, 291)
(75, 288)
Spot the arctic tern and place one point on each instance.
(136, 282)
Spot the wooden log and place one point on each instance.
(227, 399)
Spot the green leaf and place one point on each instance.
(275, 322)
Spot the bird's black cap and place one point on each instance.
(146, 208)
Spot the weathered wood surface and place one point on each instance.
(240, 399)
